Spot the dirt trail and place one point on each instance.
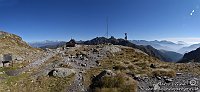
(80, 67)
(34, 64)
(77, 85)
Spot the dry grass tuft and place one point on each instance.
(164, 72)
(118, 83)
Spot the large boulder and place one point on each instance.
(111, 49)
(104, 73)
(110, 80)
(61, 72)
(97, 79)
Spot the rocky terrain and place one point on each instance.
(100, 67)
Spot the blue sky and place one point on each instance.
(37, 20)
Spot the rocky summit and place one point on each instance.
(92, 66)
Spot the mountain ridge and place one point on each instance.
(189, 48)
(147, 49)
(192, 56)
(44, 43)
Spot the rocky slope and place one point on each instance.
(172, 55)
(13, 44)
(192, 56)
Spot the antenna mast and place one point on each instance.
(107, 27)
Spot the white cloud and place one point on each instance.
(189, 40)
(192, 12)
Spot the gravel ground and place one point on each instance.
(181, 83)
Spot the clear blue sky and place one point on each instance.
(37, 20)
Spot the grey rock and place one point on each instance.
(98, 63)
(95, 50)
(19, 59)
(84, 65)
(84, 53)
(156, 87)
(158, 77)
(153, 66)
(111, 49)
(168, 80)
(179, 74)
(137, 77)
(61, 72)
(96, 80)
(104, 73)
(84, 59)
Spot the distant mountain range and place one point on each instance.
(47, 43)
(179, 47)
(189, 48)
(161, 45)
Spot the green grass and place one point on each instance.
(41, 84)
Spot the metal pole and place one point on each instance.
(107, 27)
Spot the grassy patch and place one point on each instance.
(42, 84)
(120, 67)
(119, 83)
